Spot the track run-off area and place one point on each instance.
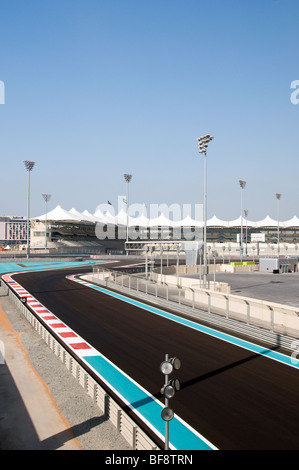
(234, 394)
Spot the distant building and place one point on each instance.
(13, 230)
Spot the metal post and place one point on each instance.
(278, 196)
(242, 184)
(127, 179)
(47, 198)
(28, 215)
(166, 404)
(29, 167)
(203, 145)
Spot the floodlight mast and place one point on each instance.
(29, 165)
(242, 185)
(278, 196)
(47, 198)
(203, 145)
(128, 178)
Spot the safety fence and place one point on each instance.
(132, 433)
(268, 321)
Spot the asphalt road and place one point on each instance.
(234, 398)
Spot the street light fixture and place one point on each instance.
(242, 184)
(47, 198)
(29, 165)
(128, 178)
(203, 145)
(278, 196)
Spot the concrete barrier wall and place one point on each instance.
(273, 316)
(276, 317)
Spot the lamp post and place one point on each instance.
(242, 184)
(246, 214)
(29, 167)
(278, 196)
(127, 179)
(203, 145)
(47, 198)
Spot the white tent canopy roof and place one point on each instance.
(215, 222)
(160, 221)
(141, 221)
(188, 222)
(60, 214)
(268, 222)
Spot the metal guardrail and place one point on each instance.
(132, 433)
(172, 297)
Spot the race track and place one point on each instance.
(234, 397)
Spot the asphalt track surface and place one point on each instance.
(235, 398)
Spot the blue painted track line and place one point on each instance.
(269, 353)
(42, 266)
(147, 407)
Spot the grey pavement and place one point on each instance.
(280, 288)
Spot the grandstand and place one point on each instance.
(102, 232)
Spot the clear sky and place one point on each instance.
(98, 88)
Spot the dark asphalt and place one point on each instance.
(234, 398)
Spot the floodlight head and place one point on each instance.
(242, 183)
(278, 196)
(203, 142)
(46, 197)
(127, 177)
(29, 165)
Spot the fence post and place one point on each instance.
(248, 311)
(227, 306)
(271, 318)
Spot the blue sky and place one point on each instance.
(98, 88)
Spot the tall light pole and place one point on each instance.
(29, 167)
(127, 179)
(246, 214)
(278, 196)
(242, 184)
(47, 198)
(203, 145)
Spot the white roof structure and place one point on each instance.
(89, 216)
(215, 222)
(141, 221)
(160, 221)
(61, 215)
(106, 218)
(268, 222)
(294, 222)
(188, 222)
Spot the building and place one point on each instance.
(13, 230)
